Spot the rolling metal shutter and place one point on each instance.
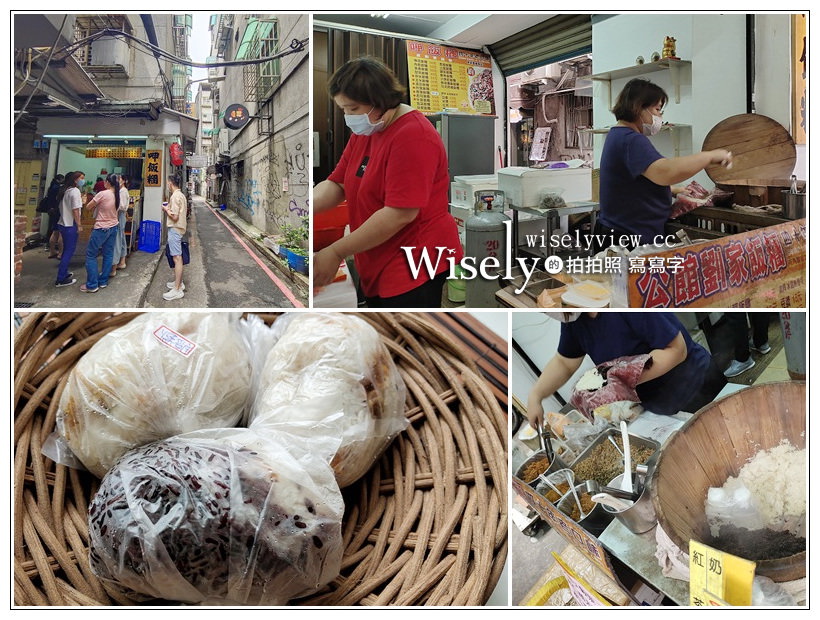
(558, 38)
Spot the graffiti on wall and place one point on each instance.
(250, 197)
(288, 182)
(296, 163)
(270, 188)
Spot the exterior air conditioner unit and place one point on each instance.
(109, 52)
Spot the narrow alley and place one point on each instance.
(229, 268)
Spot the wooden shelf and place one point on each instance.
(665, 64)
(674, 129)
(670, 127)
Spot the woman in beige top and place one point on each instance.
(121, 245)
(103, 236)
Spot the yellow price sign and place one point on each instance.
(717, 578)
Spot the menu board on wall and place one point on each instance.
(449, 79)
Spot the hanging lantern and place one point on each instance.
(176, 154)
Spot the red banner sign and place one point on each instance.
(764, 268)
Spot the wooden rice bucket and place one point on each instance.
(715, 444)
(426, 526)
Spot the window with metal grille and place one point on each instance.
(261, 39)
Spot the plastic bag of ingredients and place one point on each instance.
(330, 373)
(160, 375)
(610, 382)
(220, 516)
(259, 338)
(732, 505)
(580, 435)
(767, 593)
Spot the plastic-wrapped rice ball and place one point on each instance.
(216, 520)
(160, 375)
(330, 374)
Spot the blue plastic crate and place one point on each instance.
(149, 240)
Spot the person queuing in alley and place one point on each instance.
(635, 192)
(71, 203)
(103, 236)
(683, 375)
(738, 324)
(177, 211)
(393, 174)
(120, 246)
(53, 242)
(99, 186)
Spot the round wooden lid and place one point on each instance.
(761, 148)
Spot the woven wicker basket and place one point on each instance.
(426, 526)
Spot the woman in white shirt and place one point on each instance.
(71, 204)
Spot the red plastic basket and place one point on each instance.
(335, 218)
(323, 237)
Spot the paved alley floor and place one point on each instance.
(227, 270)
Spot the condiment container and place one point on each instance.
(555, 465)
(595, 520)
(640, 517)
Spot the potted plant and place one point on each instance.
(298, 260)
(294, 242)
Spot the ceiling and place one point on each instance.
(469, 30)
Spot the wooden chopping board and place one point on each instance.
(761, 148)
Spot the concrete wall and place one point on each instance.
(291, 143)
(274, 189)
(144, 79)
(773, 80)
(716, 86)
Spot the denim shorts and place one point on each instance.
(174, 242)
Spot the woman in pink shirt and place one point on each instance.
(103, 236)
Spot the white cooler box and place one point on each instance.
(524, 187)
(463, 188)
(460, 214)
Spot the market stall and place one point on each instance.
(717, 466)
(656, 552)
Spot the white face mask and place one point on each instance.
(360, 124)
(651, 129)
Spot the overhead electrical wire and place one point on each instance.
(296, 45)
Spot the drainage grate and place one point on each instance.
(23, 304)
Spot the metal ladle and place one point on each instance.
(593, 488)
(578, 502)
(619, 505)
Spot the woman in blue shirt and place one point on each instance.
(635, 192)
(682, 376)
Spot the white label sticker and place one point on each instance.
(175, 341)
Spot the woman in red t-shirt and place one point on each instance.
(393, 174)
